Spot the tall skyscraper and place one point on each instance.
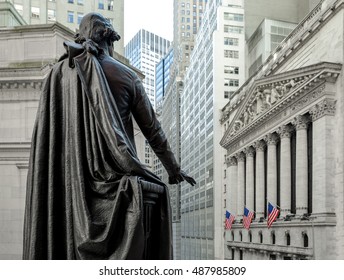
(144, 51)
(216, 70)
(70, 12)
(187, 17)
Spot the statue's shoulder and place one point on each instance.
(114, 64)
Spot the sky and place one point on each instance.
(155, 16)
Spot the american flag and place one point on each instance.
(229, 220)
(272, 214)
(248, 215)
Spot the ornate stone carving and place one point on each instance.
(271, 139)
(285, 131)
(308, 98)
(240, 156)
(249, 151)
(301, 122)
(231, 161)
(326, 107)
(260, 146)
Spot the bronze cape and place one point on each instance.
(84, 197)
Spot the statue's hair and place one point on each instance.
(95, 27)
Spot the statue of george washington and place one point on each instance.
(86, 185)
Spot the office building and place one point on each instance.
(283, 135)
(70, 12)
(216, 71)
(144, 51)
(187, 17)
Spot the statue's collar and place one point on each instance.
(75, 49)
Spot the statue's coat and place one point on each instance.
(84, 197)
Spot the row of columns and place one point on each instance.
(242, 180)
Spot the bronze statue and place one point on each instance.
(84, 188)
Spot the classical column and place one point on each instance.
(301, 124)
(285, 169)
(249, 178)
(241, 184)
(271, 140)
(232, 185)
(260, 179)
(323, 156)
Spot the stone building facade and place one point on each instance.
(283, 132)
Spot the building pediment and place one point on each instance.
(269, 96)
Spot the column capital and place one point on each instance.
(301, 122)
(326, 107)
(271, 139)
(260, 145)
(231, 161)
(285, 131)
(249, 151)
(240, 156)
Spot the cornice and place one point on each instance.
(271, 97)
(326, 107)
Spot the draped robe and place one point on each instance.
(84, 186)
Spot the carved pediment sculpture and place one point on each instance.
(269, 95)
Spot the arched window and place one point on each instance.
(287, 237)
(305, 239)
(260, 237)
(273, 238)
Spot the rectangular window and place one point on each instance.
(70, 18)
(52, 15)
(231, 54)
(231, 41)
(80, 16)
(231, 82)
(71, 1)
(231, 70)
(101, 4)
(35, 12)
(110, 5)
(235, 17)
(80, 2)
(233, 29)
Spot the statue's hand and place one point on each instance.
(180, 177)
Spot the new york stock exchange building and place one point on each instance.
(283, 135)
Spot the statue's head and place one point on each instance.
(97, 28)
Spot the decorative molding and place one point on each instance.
(240, 157)
(260, 146)
(276, 97)
(231, 161)
(249, 151)
(301, 122)
(308, 99)
(326, 107)
(285, 131)
(271, 139)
